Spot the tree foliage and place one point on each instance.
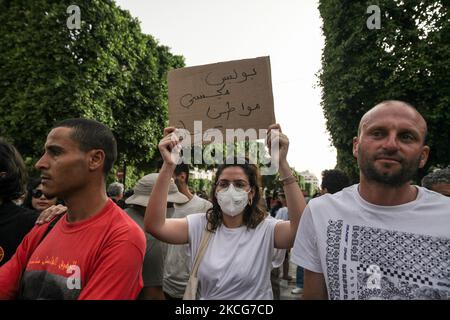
(108, 70)
(407, 59)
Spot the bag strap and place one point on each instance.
(201, 251)
(49, 228)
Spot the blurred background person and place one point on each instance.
(306, 195)
(282, 214)
(15, 221)
(115, 192)
(177, 263)
(438, 181)
(153, 267)
(275, 204)
(127, 194)
(333, 181)
(35, 198)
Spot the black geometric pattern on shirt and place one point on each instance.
(400, 275)
(403, 253)
(334, 231)
(355, 243)
(344, 281)
(386, 291)
(404, 290)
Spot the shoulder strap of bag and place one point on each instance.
(49, 228)
(201, 251)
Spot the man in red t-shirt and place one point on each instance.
(95, 251)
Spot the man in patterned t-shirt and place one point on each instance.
(382, 238)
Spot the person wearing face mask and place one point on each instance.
(238, 257)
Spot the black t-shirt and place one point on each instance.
(15, 223)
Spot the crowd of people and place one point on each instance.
(67, 235)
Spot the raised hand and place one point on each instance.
(278, 144)
(170, 146)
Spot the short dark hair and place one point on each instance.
(436, 177)
(334, 180)
(183, 167)
(91, 134)
(12, 184)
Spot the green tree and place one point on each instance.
(201, 185)
(108, 71)
(272, 183)
(407, 59)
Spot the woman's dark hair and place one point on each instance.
(13, 182)
(33, 183)
(254, 213)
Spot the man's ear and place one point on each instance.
(181, 177)
(424, 156)
(96, 159)
(355, 146)
(184, 177)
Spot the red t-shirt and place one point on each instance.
(99, 258)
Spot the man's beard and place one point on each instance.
(408, 170)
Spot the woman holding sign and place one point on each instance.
(239, 237)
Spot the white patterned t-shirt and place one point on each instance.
(366, 251)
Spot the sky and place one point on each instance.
(289, 31)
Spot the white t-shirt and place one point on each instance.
(177, 262)
(237, 261)
(282, 214)
(366, 251)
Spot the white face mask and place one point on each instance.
(232, 201)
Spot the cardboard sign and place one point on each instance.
(227, 95)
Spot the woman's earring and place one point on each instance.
(250, 201)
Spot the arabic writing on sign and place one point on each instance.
(224, 95)
(242, 111)
(233, 76)
(211, 80)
